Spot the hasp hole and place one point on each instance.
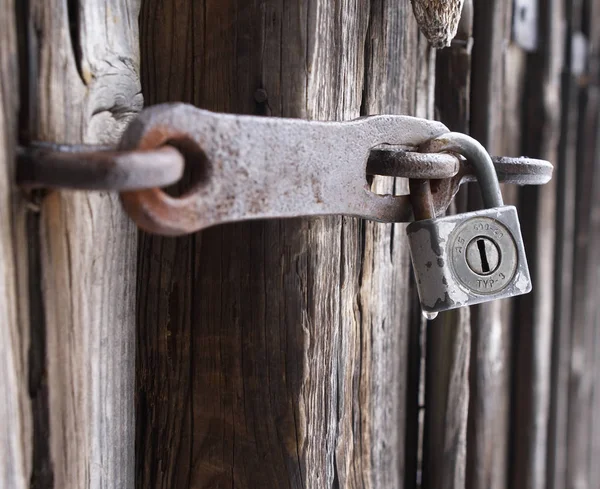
(197, 170)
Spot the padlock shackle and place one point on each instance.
(476, 155)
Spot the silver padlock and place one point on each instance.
(467, 258)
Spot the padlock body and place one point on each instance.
(468, 258)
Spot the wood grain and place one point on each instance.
(390, 298)
(449, 336)
(582, 414)
(565, 175)
(489, 405)
(279, 362)
(532, 336)
(447, 401)
(15, 429)
(83, 88)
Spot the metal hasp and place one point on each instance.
(250, 167)
(247, 167)
(468, 258)
(265, 167)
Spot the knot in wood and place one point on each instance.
(438, 19)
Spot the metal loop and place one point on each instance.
(477, 156)
(84, 167)
(395, 161)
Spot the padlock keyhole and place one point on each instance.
(485, 266)
(483, 255)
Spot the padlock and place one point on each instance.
(469, 258)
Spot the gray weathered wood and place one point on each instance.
(449, 336)
(280, 361)
(447, 401)
(532, 338)
(581, 363)
(489, 406)
(594, 449)
(565, 175)
(581, 470)
(560, 464)
(15, 413)
(395, 400)
(84, 88)
(525, 24)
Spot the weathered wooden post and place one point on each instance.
(15, 434)
(273, 354)
(68, 261)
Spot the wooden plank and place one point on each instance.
(565, 176)
(582, 411)
(15, 433)
(447, 401)
(453, 75)
(280, 361)
(415, 386)
(533, 328)
(83, 87)
(414, 371)
(583, 318)
(594, 450)
(561, 468)
(449, 336)
(489, 405)
(393, 36)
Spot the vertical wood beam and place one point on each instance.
(532, 330)
(393, 36)
(489, 405)
(565, 176)
(449, 336)
(15, 413)
(582, 414)
(83, 88)
(272, 353)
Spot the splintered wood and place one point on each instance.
(438, 19)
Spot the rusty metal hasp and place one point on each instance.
(261, 167)
(266, 167)
(250, 167)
